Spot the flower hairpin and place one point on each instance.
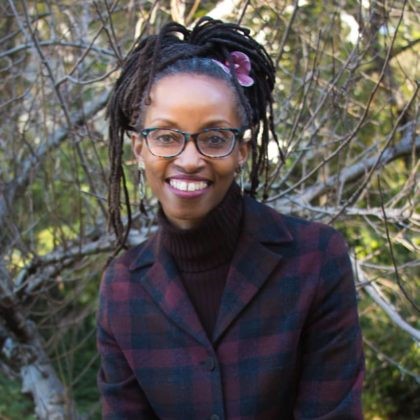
(241, 67)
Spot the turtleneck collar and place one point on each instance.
(210, 244)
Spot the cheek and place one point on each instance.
(226, 171)
(224, 174)
(154, 169)
(152, 173)
(229, 166)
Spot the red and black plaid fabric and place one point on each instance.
(286, 344)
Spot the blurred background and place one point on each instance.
(346, 111)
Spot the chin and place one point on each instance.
(185, 219)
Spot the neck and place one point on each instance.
(211, 242)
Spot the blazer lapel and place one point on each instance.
(163, 283)
(252, 263)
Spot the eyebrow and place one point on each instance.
(166, 123)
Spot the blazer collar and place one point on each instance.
(163, 283)
(264, 223)
(252, 264)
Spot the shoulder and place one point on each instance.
(266, 222)
(118, 270)
(131, 254)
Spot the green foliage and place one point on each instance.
(73, 348)
(13, 404)
(80, 366)
(392, 369)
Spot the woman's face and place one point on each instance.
(190, 185)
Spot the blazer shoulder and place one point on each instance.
(266, 220)
(121, 264)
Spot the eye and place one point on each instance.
(166, 137)
(215, 139)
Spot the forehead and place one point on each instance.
(189, 95)
(192, 81)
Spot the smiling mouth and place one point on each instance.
(189, 186)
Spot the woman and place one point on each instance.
(231, 310)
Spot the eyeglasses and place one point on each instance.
(211, 142)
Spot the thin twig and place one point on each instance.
(391, 249)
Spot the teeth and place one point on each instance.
(187, 186)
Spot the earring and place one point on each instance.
(240, 171)
(142, 188)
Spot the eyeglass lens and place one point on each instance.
(212, 143)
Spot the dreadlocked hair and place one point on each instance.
(177, 49)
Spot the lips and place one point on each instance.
(190, 186)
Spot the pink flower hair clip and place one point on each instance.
(241, 65)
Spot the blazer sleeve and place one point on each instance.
(121, 394)
(332, 355)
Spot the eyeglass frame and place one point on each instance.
(238, 133)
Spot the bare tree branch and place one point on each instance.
(377, 296)
(352, 173)
(27, 169)
(58, 43)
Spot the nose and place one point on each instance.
(190, 160)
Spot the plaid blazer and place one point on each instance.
(286, 344)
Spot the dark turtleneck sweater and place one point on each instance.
(203, 254)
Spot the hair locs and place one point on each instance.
(151, 56)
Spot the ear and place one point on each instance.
(244, 147)
(137, 145)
